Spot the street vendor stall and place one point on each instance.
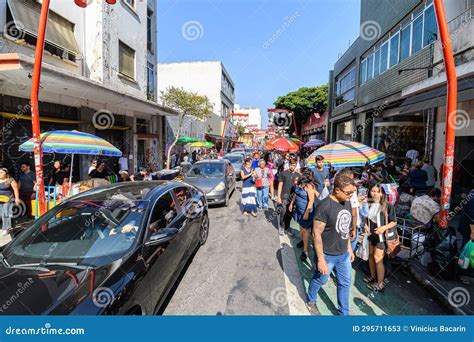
(70, 142)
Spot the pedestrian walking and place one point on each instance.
(413, 155)
(269, 164)
(332, 244)
(321, 174)
(26, 183)
(9, 191)
(287, 181)
(303, 205)
(247, 200)
(255, 160)
(123, 162)
(381, 225)
(262, 183)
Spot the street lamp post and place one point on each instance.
(35, 85)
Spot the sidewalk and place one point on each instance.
(453, 294)
(403, 295)
(20, 225)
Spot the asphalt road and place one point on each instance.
(245, 268)
(237, 272)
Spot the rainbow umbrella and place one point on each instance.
(296, 141)
(346, 154)
(73, 142)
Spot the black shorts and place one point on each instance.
(375, 241)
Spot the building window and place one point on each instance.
(394, 49)
(126, 60)
(377, 63)
(430, 28)
(149, 29)
(345, 86)
(417, 38)
(363, 71)
(370, 67)
(384, 57)
(150, 81)
(405, 43)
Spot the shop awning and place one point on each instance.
(437, 97)
(59, 32)
(14, 116)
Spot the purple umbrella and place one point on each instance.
(315, 143)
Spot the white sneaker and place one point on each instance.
(3, 232)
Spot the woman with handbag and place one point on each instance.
(382, 227)
(304, 204)
(247, 200)
(262, 183)
(8, 189)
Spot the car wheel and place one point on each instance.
(204, 232)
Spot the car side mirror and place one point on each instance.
(162, 236)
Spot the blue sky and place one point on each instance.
(269, 47)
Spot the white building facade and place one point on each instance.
(209, 78)
(98, 76)
(254, 115)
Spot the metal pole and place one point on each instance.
(37, 144)
(451, 107)
(294, 124)
(223, 134)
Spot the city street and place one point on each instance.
(245, 268)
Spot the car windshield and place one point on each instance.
(80, 232)
(207, 170)
(234, 159)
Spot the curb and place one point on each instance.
(437, 290)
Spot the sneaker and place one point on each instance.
(303, 256)
(299, 244)
(281, 231)
(313, 309)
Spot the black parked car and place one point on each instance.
(112, 250)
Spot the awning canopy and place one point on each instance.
(59, 31)
(437, 97)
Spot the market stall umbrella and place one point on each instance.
(283, 145)
(296, 141)
(315, 143)
(202, 144)
(346, 154)
(73, 142)
(186, 140)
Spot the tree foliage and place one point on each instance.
(304, 102)
(189, 105)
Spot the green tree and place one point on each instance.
(189, 105)
(304, 102)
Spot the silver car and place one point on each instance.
(215, 177)
(236, 159)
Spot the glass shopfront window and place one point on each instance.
(344, 130)
(396, 138)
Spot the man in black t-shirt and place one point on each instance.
(332, 244)
(287, 181)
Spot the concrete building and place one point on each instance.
(254, 115)
(388, 89)
(98, 76)
(209, 78)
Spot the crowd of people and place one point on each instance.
(339, 208)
